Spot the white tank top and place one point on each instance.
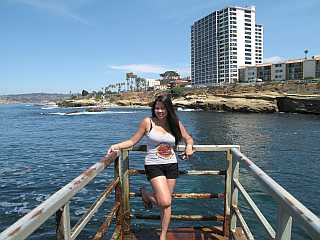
(160, 147)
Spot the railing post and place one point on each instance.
(227, 195)
(234, 201)
(284, 224)
(124, 182)
(63, 231)
(117, 189)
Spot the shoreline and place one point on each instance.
(293, 103)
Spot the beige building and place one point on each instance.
(298, 69)
(153, 83)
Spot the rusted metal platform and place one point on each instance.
(188, 233)
(233, 224)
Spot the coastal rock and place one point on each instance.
(131, 102)
(236, 104)
(96, 109)
(299, 105)
(77, 103)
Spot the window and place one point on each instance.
(247, 62)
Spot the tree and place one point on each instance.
(170, 75)
(84, 93)
(140, 83)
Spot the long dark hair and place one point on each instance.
(172, 118)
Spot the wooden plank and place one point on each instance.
(200, 233)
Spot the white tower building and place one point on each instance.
(222, 42)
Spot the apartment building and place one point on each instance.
(297, 69)
(223, 41)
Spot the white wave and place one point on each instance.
(188, 109)
(50, 107)
(13, 204)
(88, 113)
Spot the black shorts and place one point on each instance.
(170, 170)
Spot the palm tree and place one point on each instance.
(305, 53)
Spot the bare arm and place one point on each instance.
(187, 139)
(144, 125)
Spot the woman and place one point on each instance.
(163, 131)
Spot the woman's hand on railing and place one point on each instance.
(188, 152)
(113, 148)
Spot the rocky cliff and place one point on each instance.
(267, 98)
(299, 104)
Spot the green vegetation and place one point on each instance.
(177, 91)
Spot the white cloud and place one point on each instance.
(274, 59)
(140, 68)
(54, 7)
(149, 68)
(184, 70)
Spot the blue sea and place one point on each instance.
(43, 149)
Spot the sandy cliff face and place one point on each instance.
(236, 104)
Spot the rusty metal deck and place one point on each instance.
(190, 233)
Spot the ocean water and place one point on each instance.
(43, 148)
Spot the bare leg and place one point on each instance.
(148, 196)
(163, 189)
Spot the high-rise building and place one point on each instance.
(222, 42)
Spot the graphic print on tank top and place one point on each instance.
(164, 150)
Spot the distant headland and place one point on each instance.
(295, 97)
(41, 98)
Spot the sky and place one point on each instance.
(63, 46)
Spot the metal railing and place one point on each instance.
(58, 204)
(289, 209)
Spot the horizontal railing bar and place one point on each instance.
(185, 172)
(209, 148)
(256, 210)
(105, 226)
(139, 148)
(93, 209)
(188, 195)
(198, 148)
(308, 220)
(26, 225)
(218, 218)
(243, 224)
